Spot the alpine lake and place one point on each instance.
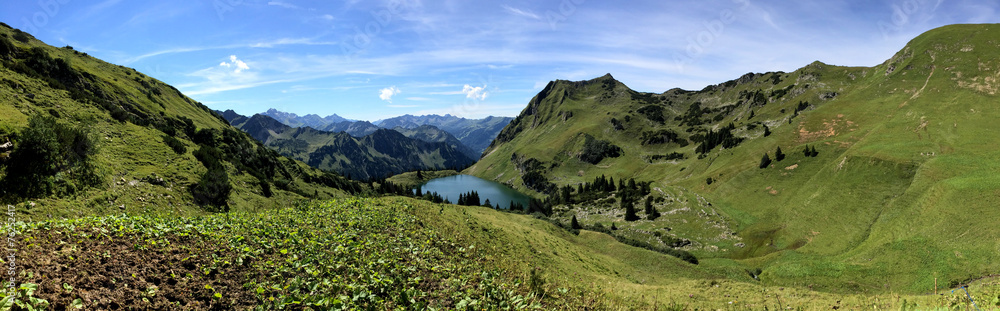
(451, 187)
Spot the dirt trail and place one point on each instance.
(917, 93)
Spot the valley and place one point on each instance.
(827, 187)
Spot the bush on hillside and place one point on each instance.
(45, 149)
(175, 144)
(213, 189)
(595, 150)
(653, 113)
(21, 36)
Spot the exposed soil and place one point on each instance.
(112, 273)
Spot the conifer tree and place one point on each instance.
(778, 156)
(629, 211)
(575, 224)
(765, 161)
(651, 212)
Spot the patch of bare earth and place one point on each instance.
(115, 273)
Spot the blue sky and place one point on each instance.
(370, 60)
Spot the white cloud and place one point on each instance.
(387, 93)
(418, 98)
(402, 106)
(283, 4)
(327, 17)
(235, 63)
(521, 12)
(477, 93)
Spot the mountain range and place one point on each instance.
(474, 134)
(310, 120)
(379, 154)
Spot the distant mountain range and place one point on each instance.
(474, 133)
(310, 120)
(380, 153)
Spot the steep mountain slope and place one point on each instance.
(310, 120)
(88, 137)
(430, 133)
(898, 191)
(355, 128)
(475, 133)
(379, 154)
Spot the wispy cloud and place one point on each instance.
(402, 106)
(283, 4)
(520, 12)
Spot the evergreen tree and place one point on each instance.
(419, 192)
(813, 153)
(487, 203)
(806, 151)
(767, 131)
(575, 224)
(778, 156)
(613, 227)
(765, 161)
(651, 212)
(420, 175)
(629, 211)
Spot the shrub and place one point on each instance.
(21, 36)
(653, 113)
(213, 189)
(595, 150)
(6, 47)
(175, 144)
(44, 149)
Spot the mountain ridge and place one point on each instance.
(893, 148)
(379, 154)
(138, 144)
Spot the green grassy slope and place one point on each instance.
(388, 253)
(900, 193)
(128, 116)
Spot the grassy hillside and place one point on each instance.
(388, 253)
(117, 218)
(899, 193)
(107, 139)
